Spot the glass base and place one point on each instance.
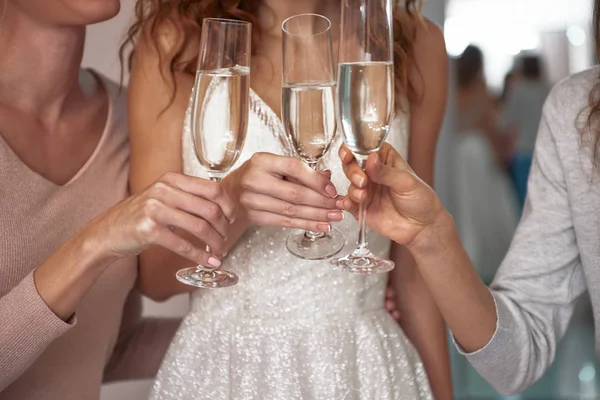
(363, 262)
(206, 278)
(315, 246)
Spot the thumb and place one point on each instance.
(398, 179)
(326, 173)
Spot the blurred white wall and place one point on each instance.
(103, 41)
(557, 29)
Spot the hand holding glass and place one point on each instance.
(365, 101)
(308, 85)
(219, 116)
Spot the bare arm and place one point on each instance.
(155, 135)
(155, 129)
(420, 317)
(33, 314)
(509, 334)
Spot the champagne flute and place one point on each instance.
(308, 84)
(365, 101)
(219, 116)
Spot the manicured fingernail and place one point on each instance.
(324, 227)
(330, 190)
(232, 220)
(214, 262)
(358, 180)
(343, 153)
(225, 254)
(335, 216)
(340, 204)
(363, 196)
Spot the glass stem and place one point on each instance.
(362, 231)
(362, 244)
(203, 268)
(309, 235)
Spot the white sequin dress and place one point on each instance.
(290, 329)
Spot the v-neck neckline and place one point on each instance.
(107, 125)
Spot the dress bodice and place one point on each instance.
(273, 283)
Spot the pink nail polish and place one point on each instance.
(213, 262)
(340, 204)
(324, 227)
(330, 190)
(335, 216)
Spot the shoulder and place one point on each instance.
(429, 42)
(564, 117)
(429, 59)
(162, 41)
(429, 33)
(428, 63)
(117, 99)
(565, 108)
(571, 95)
(117, 96)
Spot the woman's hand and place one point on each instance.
(391, 304)
(400, 206)
(195, 205)
(283, 191)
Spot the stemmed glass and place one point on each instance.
(219, 116)
(308, 113)
(365, 101)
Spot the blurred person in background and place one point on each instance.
(485, 213)
(521, 116)
(510, 79)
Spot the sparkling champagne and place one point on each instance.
(366, 104)
(309, 119)
(220, 117)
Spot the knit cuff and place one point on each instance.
(28, 325)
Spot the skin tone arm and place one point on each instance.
(48, 111)
(415, 218)
(420, 317)
(129, 228)
(306, 199)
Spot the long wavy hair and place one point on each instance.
(187, 15)
(590, 131)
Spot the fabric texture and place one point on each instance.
(41, 356)
(554, 257)
(291, 329)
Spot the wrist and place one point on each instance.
(92, 248)
(435, 236)
(67, 275)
